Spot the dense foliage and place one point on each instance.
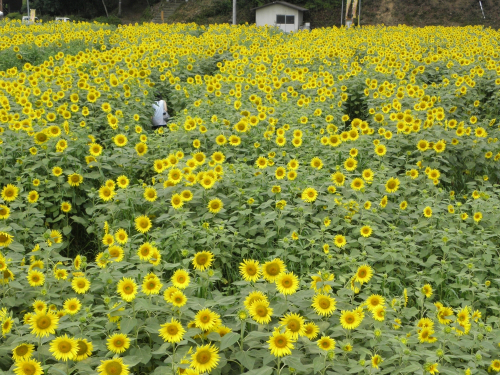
(322, 202)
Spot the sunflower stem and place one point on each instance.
(173, 355)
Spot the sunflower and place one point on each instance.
(206, 319)
(178, 299)
(172, 331)
(35, 278)
(287, 283)
(311, 330)
(7, 325)
(10, 193)
(44, 324)
(108, 239)
(80, 285)
(116, 253)
(316, 163)
(427, 290)
(180, 279)
(186, 195)
(72, 306)
(379, 313)
(253, 297)
(75, 179)
(350, 319)
(374, 301)
(5, 240)
(22, 352)
(4, 212)
(28, 367)
(366, 231)
(203, 260)
(443, 314)
(427, 211)
(121, 236)
(118, 343)
(250, 270)
(145, 251)
(65, 207)
(272, 269)
(113, 367)
(64, 348)
(477, 217)
(309, 195)
(151, 285)
(122, 182)
(215, 205)
(280, 344)
(205, 359)
(260, 311)
(363, 274)
(425, 334)
(127, 288)
(326, 343)
(380, 150)
(323, 304)
(95, 149)
(106, 194)
(120, 140)
(338, 178)
(350, 164)
(141, 149)
(376, 361)
(339, 241)
(84, 349)
(150, 194)
(295, 324)
(143, 224)
(495, 365)
(392, 185)
(357, 184)
(41, 138)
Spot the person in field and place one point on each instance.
(160, 116)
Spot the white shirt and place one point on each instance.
(159, 117)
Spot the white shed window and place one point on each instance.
(282, 19)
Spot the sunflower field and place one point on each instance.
(321, 202)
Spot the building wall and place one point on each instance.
(267, 16)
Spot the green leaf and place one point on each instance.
(266, 370)
(162, 349)
(128, 324)
(144, 353)
(228, 339)
(294, 362)
(318, 363)
(411, 368)
(132, 360)
(245, 359)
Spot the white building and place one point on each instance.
(288, 17)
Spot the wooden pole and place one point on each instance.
(162, 16)
(119, 8)
(341, 12)
(1, 6)
(234, 12)
(359, 14)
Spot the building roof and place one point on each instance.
(282, 3)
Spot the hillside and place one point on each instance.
(390, 12)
